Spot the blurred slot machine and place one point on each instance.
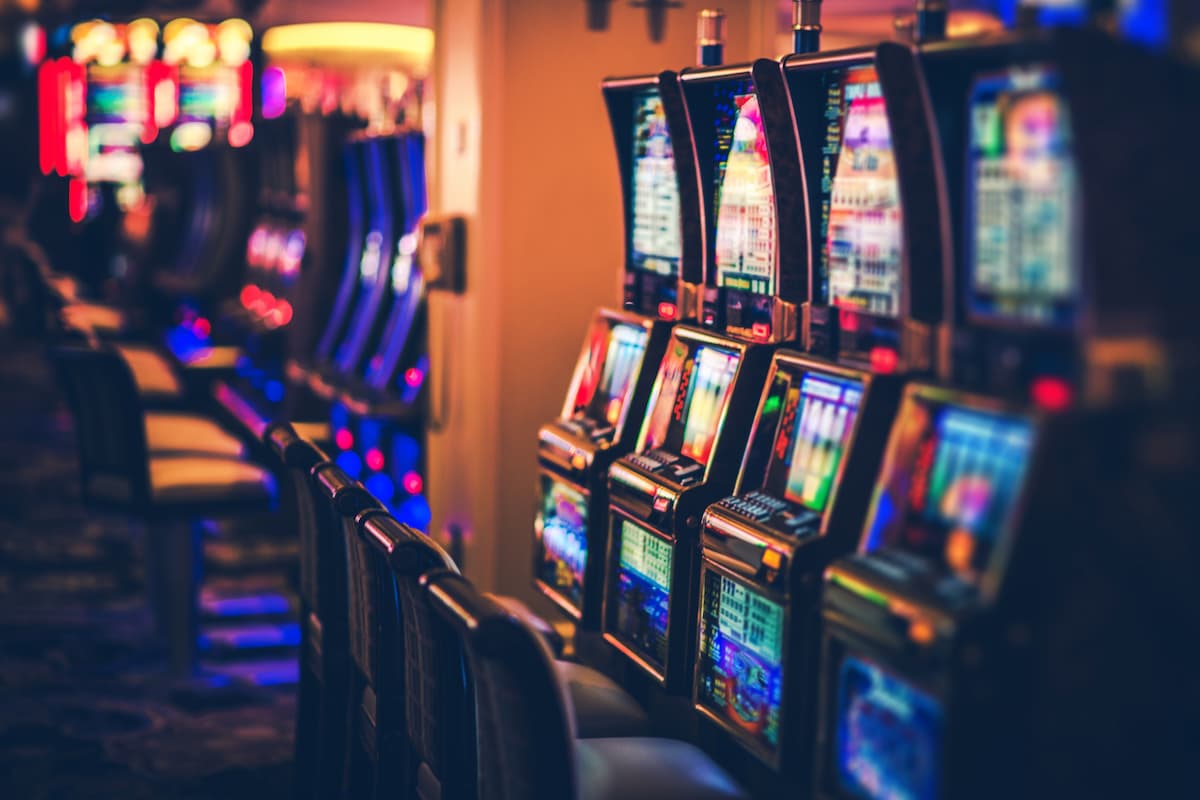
(97, 109)
(615, 369)
(698, 418)
(821, 422)
(205, 174)
(937, 659)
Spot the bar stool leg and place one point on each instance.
(174, 560)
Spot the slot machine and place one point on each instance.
(945, 668)
(382, 405)
(615, 369)
(372, 292)
(822, 420)
(204, 153)
(702, 403)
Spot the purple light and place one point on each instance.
(274, 92)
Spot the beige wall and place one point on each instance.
(524, 149)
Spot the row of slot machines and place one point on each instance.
(331, 314)
(823, 495)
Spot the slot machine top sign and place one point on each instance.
(655, 227)
(214, 79)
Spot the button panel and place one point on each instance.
(767, 509)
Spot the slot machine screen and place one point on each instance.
(860, 196)
(689, 400)
(951, 476)
(743, 193)
(116, 114)
(1022, 253)
(622, 361)
(888, 740)
(643, 591)
(814, 433)
(741, 659)
(608, 370)
(656, 227)
(562, 533)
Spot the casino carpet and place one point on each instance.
(85, 708)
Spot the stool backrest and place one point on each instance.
(299, 457)
(109, 424)
(436, 706)
(525, 739)
(344, 498)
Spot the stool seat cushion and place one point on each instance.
(207, 479)
(93, 317)
(152, 373)
(170, 432)
(602, 708)
(649, 769)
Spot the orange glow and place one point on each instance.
(921, 631)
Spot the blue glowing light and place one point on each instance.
(350, 463)
(381, 486)
(274, 391)
(415, 512)
(405, 452)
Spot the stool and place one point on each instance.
(525, 739)
(119, 472)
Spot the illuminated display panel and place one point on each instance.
(214, 81)
(950, 479)
(116, 117)
(643, 591)
(656, 226)
(860, 196)
(562, 535)
(689, 400)
(743, 193)
(1022, 253)
(741, 658)
(814, 432)
(888, 741)
(622, 359)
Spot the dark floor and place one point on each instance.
(86, 710)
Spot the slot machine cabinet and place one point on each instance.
(877, 256)
(755, 209)
(615, 370)
(694, 433)
(664, 268)
(823, 419)
(1067, 292)
(799, 502)
(950, 661)
(924, 626)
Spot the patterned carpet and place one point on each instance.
(86, 710)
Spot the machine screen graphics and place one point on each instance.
(860, 196)
(744, 194)
(741, 657)
(814, 433)
(1021, 200)
(888, 742)
(953, 474)
(562, 531)
(690, 397)
(608, 375)
(656, 227)
(643, 585)
(116, 114)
